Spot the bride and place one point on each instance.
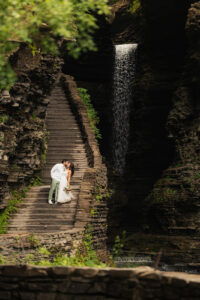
(64, 192)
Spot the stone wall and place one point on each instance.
(57, 283)
(20, 246)
(22, 118)
(95, 177)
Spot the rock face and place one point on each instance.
(159, 65)
(175, 198)
(22, 114)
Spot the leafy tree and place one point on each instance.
(39, 23)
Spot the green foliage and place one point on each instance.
(93, 212)
(92, 114)
(119, 244)
(17, 197)
(84, 255)
(39, 24)
(197, 176)
(10, 209)
(135, 6)
(99, 194)
(43, 158)
(34, 240)
(44, 251)
(2, 260)
(44, 147)
(36, 181)
(1, 139)
(34, 117)
(4, 119)
(162, 195)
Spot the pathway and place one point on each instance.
(65, 142)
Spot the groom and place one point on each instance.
(56, 173)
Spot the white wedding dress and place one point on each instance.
(63, 195)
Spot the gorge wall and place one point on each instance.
(173, 204)
(162, 175)
(161, 54)
(22, 115)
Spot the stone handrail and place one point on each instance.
(96, 173)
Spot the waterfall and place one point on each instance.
(124, 70)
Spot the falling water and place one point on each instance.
(124, 70)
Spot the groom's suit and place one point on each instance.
(56, 173)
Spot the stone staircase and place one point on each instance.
(65, 142)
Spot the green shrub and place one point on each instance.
(73, 20)
(10, 209)
(119, 244)
(34, 240)
(16, 198)
(4, 119)
(135, 6)
(92, 114)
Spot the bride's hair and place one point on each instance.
(71, 168)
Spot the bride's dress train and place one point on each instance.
(64, 196)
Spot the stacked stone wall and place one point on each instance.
(56, 283)
(95, 177)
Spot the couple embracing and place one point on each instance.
(61, 176)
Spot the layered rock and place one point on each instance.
(175, 198)
(22, 115)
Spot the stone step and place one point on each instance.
(68, 128)
(53, 145)
(43, 222)
(73, 157)
(60, 105)
(55, 154)
(81, 167)
(51, 214)
(73, 138)
(46, 175)
(76, 159)
(61, 118)
(40, 228)
(64, 141)
(45, 192)
(41, 199)
(37, 231)
(78, 173)
(32, 196)
(64, 135)
(76, 179)
(53, 208)
(78, 163)
(182, 230)
(55, 125)
(57, 111)
(40, 195)
(78, 152)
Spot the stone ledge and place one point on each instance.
(94, 283)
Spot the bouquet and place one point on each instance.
(67, 189)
